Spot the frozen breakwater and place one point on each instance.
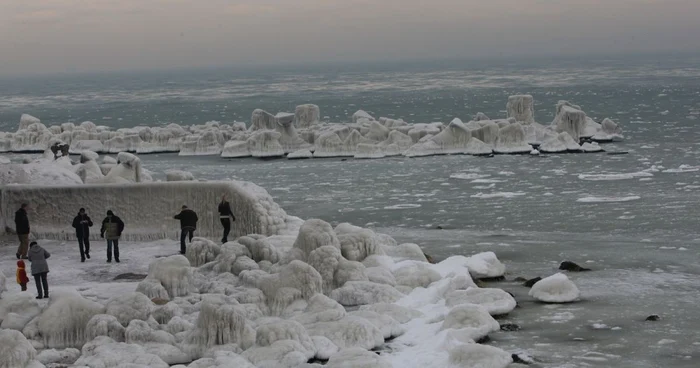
(364, 136)
(310, 295)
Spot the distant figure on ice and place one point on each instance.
(22, 278)
(58, 147)
(226, 216)
(40, 268)
(82, 224)
(188, 224)
(22, 227)
(112, 227)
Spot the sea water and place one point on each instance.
(631, 218)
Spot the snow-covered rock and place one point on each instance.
(104, 352)
(471, 321)
(235, 149)
(307, 115)
(15, 350)
(357, 358)
(128, 307)
(479, 356)
(174, 273)
(555, 289)
(563, 142)
(496, 301)
(520, 107)
(571, 120)
(511, 139)
(63, 323)
(265, 143)
(178, 175)
(300, 154)
(485, 265)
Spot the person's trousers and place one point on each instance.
(84, 244)
(40, 280)
(113, 245)
(183, 235)
(23, 245)
(226, 223)
(23, 286)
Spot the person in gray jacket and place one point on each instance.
(40, 268)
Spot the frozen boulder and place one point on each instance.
(348, 332)
(208, 143)
(94, 145)
(406, 251)
(3, 284)
(485, 131)
(479, 356)
(591, 147)
(315, 233)
(219, 323)
(178, 175)
(174, 273)
(357, 358)
(201, 251)
(289, 138)
(15, 350)
(415, 274)
(389, 327)
(452, 140)
(360, 115)
(485, 266)
(153, 289)
(478, 148)
(63, 324)
(355, 293)
(367, 150)
(26, 120)
(306, 115)
(496, 301)
(129, 306)
(140, 332)
(38, 174)
(235, 149)
(399, 313)
(222, 359)
(512, 140)
(329, 144)
(58, 357)
(262, 120)
(520, 107)
(555, 289)
(17, 310)
(265, 143)
(104, 352)
(472, 321)
(357, 243)
(128, 170)
(104, 325)
(300, 154)
(563, 142)
(570, 120)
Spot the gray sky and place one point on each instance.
(46, 36)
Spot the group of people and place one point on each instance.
(111, 230)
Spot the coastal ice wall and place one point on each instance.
(147, 209)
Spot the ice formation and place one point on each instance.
(496, 301)
(520, 107)
(128, 307)
(306, 116)
(485, 265)
(15, 350)
(63, 323)
(178, 175)
(479, 356)
(570, 120)
(17, 310)
(146, 207)
(555, 289)
(563, 142)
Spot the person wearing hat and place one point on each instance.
(40, 268)
(82, 224)
(112, 227)
(188, 224)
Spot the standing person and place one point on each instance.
(226, 216)
(188, 224)
(82, 224)
(40, 268)
(22, 228)
(112, 227)
(22, 278)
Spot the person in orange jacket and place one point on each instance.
(22, 278)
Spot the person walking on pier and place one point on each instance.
(82, 224)
(226, 216)
(112, 227)
(40, 269)
(22, 228)
(188, 224)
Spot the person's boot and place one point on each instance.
(116, 260)
(87, 255)
(82, 259)
(18, 256)
(39, 297)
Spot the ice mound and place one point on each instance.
(104, 352)
(265, 143)
(58, 357)
(357, 358)
(63, 323)
(15, 350)
(591, 147)
(289, 137)
(511, 139)
(479, 356)
(520, 107)
(609, 131)
(555, 289)
(570, 119)
(496, 301)
(208, 143)
(470, 321)
(453, 139)
(178, 175)
(174, 273)
(329, 144)
(563, 142)
(38, 174)
(128, 307)
(300, 154)
(366, 150)
(485, 265)
(235, 149)
(307, 115)
(263, 120)
(17, 310)
(88, 145)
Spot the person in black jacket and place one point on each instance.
(226, 216)
(188, 224)
(22, 228)
(82, 224)
(112, 227)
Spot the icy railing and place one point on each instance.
(147, 209)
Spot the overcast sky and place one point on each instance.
(47, 36)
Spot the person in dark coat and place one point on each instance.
(188, 224)
(22, 228)
(40, 268)
(226, 216)
(82, 224)
(112, 227)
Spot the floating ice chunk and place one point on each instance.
(15, 350)
(479, 356)
(496, 301)
(563, 142)
(555, 289)
(682, 169)
(178, 175)
(592, 199)
(300, 154)
(235, 149)
(591, 128)
(511, 139)
(591, 147)
(498, 195)
(485, 265)
(472, 321)
(63, 323)
(618, 176)
(521, 108)
(307, 115)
